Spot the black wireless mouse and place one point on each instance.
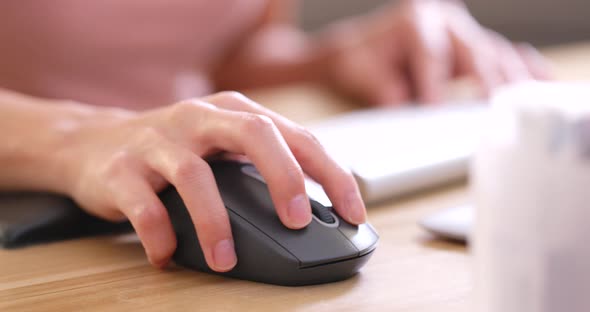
(329, 249)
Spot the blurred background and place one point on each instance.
(541, 22)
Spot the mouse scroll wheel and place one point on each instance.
(322, 213)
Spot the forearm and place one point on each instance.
(32, 134)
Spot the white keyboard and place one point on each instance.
(396, 151)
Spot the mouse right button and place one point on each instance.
(363, 237)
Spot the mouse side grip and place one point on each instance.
(259, 257)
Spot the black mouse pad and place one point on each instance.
(33, 218)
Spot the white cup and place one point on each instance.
(531, 185)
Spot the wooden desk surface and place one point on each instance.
(410, 271)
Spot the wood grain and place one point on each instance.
(410, 271)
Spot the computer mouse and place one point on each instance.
(329, 249)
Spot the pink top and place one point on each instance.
(134, 53)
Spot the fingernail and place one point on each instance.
(356, 209)
(224, 255)
(299, 211)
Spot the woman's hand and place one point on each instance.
(116, 163)
(413, 49)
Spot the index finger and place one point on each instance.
(430, 64)
(337, 181)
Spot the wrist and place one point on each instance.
(331, 44)
(71, 133)
(37, 135)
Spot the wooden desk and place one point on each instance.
(411, 271)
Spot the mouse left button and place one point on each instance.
(314, 190)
